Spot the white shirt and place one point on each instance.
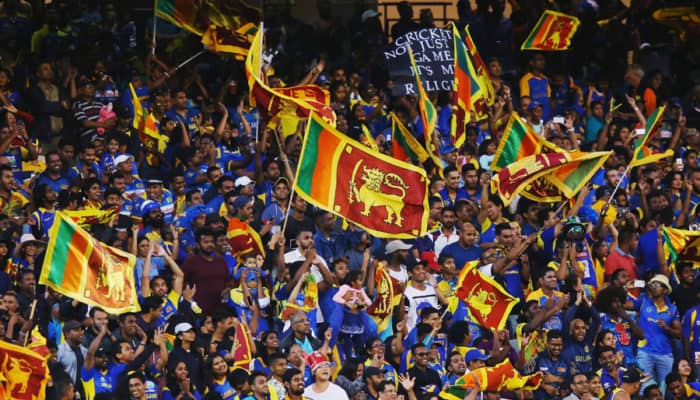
(401, 275)
(443, 240)
(333, 392)
(414, 297)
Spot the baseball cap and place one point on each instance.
(243, 181)
(154, 181)
(316, 359)
(431, 259)
(533, 105)
(240, 202)
(371, 371)
(473, 355)
(367, 14)
(632, 375)
(101, 352)
(71, 324)
(183, 327)
(122, 158)
(396, 245)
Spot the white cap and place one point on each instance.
(27, 237)
(369, 14)
(396, 245)
(243, 181)
(122, 158)
(183, 327)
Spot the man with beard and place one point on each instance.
(578, 354)
(579, 387)
(373, 378)
(397, 250)
(258, 386)
(452, 192)
(13, 202)
(447, 233)
(294, 384)
(207, 271)
(152, 219)
(242, 237)
(163, 197)
(95, 372)
(53, 175)
(427, 381)
(456, 367)
(470, 176)
(552, 366)
(322, 388)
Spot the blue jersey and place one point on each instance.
(96, 382)
(62, 183)
(691, 330)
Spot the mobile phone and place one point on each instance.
(639, 132)
(558, 120)
(275, 229)
(679, 161)
(638, 284)
(665, 134)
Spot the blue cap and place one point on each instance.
(148, 206)
(473, 355)
(534, 104)
(448, 148)
(240, 202)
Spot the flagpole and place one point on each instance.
(155, 21)
(31, 319)
(619, 183)
(291, 184)
(262, 33)
(189, 60)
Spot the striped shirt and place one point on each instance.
(87, 110)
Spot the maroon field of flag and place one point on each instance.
(24, 373)
(488, 301)
(552, 32)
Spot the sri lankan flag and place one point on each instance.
(552, 32)
(498, 378)
(237, 42)
(23, 373)
(681, 245)
(405, 147)
(147, 127)
(643, 154)
(87, 217)
(243, 238)
(242, 348)
(310, 291)
(567, 171)
(197, 16)
(294, 102)
(83, 268)
(518, 141)
(384, 196)
(483, 94)
(388, 296)
(487, 301)
(428, 116)
(461, 96)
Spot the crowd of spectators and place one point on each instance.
(603, 314)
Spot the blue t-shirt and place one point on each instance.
(656, 341)
(462, 255)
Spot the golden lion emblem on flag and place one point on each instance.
(372, 193)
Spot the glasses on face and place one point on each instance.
(655, 285)
(422, 354)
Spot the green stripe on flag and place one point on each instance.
(511, 147)
(64, 234)
(309, 157)
(669, 246)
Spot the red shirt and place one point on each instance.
(616, 260)
(209, 276)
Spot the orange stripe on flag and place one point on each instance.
(75, 262)
(323, 176)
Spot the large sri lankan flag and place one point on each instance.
(681, 245)
(384, 196)
(567, 171)
(488, 301)
(518, 141)
(552, 32)
(461, 95)
(23, 373)
(81, 267)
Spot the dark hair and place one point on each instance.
(289, 374)
(352, 276)
(457, 332)
(425, 313)
(349, 369)
(204, 232)
(255, 374)
(502, 227)
(554, 334)
(152, 302)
